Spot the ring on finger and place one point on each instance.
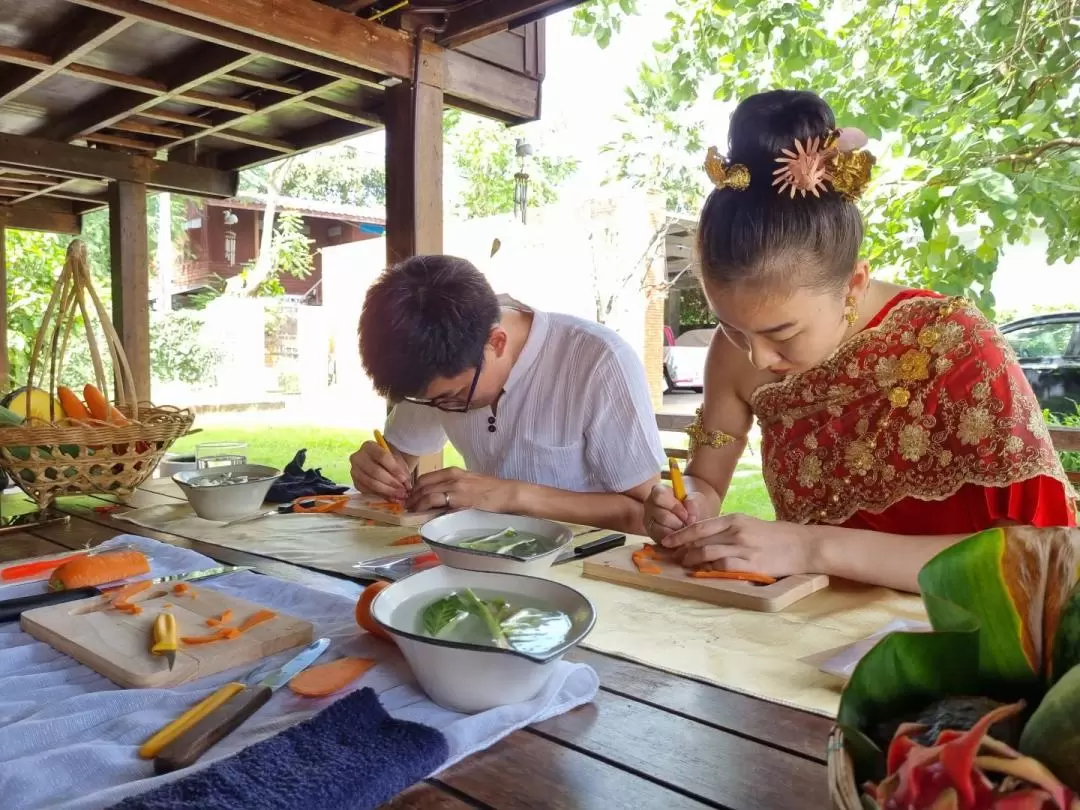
(446, 495)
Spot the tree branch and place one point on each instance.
(1033, 155)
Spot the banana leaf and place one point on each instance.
(999, 603)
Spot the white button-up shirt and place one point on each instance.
(575, 414)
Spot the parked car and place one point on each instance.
(1048, 347)
(684, 359)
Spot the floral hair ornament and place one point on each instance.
(837, 159)
(724, 173)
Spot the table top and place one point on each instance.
(650, 739)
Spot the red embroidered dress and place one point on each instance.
(922, 423)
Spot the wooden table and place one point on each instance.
(649, 740)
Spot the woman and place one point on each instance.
(894, 421)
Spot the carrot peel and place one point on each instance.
(408, 540)
(326, 679)
(219, 635)
(258, 617)
(744, 576)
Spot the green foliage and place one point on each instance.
(694, 309)
(483, 152)
(290, 255)
(1069, 460)
(974, 103)
(177, 354)
(336, 174)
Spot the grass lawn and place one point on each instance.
(329, 449)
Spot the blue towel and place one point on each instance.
(350, 756)
(296, 482)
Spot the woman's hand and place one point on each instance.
(456, 488)
(742, 543)
(664, 513)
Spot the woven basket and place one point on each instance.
(69, 457)
(842, 788)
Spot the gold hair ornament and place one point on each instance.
(838, 160)
(724, 173)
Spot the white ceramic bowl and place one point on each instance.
(173, 463)
(228, 501)
(467, 677)
(440, 533)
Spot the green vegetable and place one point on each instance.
(440, 615)
(475, 606)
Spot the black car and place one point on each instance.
(1048, 347)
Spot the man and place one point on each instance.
(550, 412)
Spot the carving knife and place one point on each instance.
(186, 749)
(12, 609)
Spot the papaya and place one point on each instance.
(43, 405)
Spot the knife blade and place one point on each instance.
(398, 566)
(12, 609)
(186, 749)
(598, 546)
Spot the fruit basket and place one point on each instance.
(52, 443)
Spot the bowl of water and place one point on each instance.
(488, 541)
(479, 639)
(227, 493)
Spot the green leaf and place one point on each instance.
(440, 614)
(1052, 735)
(1067, 638)
(972, 574)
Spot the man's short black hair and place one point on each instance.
(424, 318)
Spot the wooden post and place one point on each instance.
(414, 171)
(5, 371)
(131, 278)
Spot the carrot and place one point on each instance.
(745, 576)
(72, 405)
(30, 569)
(231, 632)
(643, 561)
(648, 551)
(408, 540)
(98, 569)
(224, 617)
(218, 635)
(212, 622)
(326, 679)
(258, 617)
(183, 589)
(363, 610)
(100, 408)
(123, 596)
(127, 607)
(390, 506)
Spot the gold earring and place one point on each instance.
(851, 310)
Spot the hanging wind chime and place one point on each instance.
(521, 180)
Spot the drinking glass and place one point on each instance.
(220, 454)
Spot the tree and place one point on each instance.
(339, 175)
(973, 105)
(484, 154)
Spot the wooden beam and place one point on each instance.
(122, 142)
(320, 30)
(159, 114)
(414, 173)
(5, 369)
(343, 111)
(129, 252)
(324, 134)
(255, 140)
(43, 155)
(34, 218)
(146, 128)
(77, 34)
(254, 80)
(188, 70)
(483, 19)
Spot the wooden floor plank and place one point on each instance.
(699, 760)
(527, 772)
(430, 797)
(799, 732)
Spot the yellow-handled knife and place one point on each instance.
(170, 732)
(165, 637)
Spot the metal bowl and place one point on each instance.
(227, 493)
(440, 533)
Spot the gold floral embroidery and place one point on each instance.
(900, 397)
(914, 442)
(975, 426)
(914, 366)
(809, 471)
(888, 424)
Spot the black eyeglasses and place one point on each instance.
(450, 405)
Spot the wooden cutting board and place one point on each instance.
(617, 566)
(117, 644)
(371, 508)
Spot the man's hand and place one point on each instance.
(379, 472)
(456, 488)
